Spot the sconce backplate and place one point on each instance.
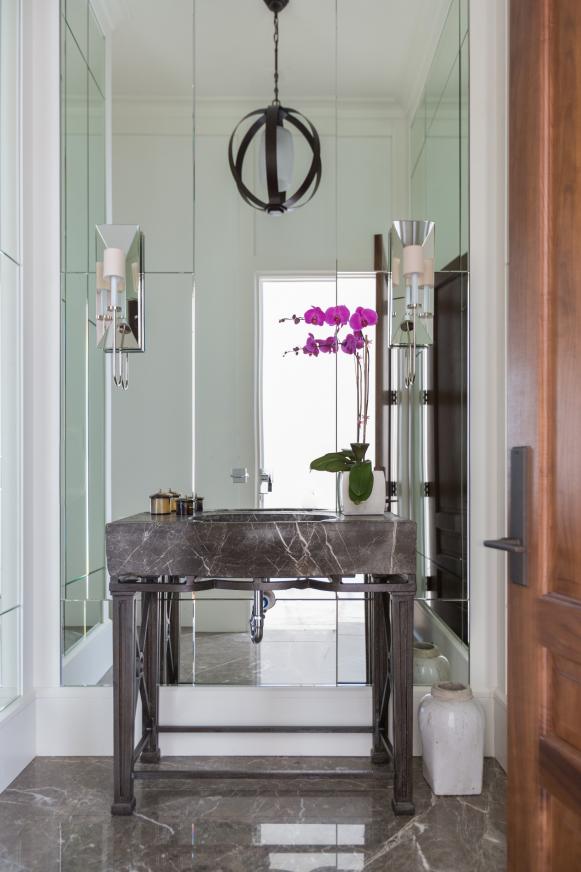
(129, 333)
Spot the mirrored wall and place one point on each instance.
(436, 415)
(10, 357)
(219, 404)
(84, 605)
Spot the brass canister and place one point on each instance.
(160, 503)
(173, 500)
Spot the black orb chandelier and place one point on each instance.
(276, 149)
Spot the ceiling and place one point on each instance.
(355, 49)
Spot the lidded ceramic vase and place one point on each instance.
(430, 665)
(452, 729)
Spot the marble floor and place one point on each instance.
(55, 818)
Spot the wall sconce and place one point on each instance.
(119, 279)
(411, 289)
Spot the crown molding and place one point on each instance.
(218, 117)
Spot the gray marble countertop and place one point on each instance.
(292, 544)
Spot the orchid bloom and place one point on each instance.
(328, 345)
(315, 315)
(362, 318)
(349, 344)
(311, 346)
(356, 344)
(337, 316)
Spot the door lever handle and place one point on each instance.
(517, 542)
(513, 546)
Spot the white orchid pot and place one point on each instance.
(374, 505)
(430, 665)
(452, 730)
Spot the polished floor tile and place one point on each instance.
(55, 818)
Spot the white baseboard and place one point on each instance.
(500, 727)
(88, 661)
(17, 738)
(78, 721)
(74, 721)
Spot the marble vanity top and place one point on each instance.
(288, 543)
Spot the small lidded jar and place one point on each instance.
(185, 506)
(160, 503)
(173, 500)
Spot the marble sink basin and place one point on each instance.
(270, 543)
(264, 516)
(266, 544)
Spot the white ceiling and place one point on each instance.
(360, 49)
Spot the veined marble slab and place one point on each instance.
(292, 545)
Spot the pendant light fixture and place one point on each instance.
(276, 148)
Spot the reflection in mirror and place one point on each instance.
(216, 406)
(119, 289)
(83, 469)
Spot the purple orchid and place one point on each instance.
(337, 316)
(311, 346)
(356, 344)
(362, 318)
(315, 315)
(349, 344)
(329, 345)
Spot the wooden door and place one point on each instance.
(544, 412)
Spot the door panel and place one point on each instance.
(544, 412)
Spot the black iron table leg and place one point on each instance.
(137, 668)
(151, 658)
(124, 693)
(402, 615)
(380, 677)
(170, 637)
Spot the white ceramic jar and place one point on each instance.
(375, 505)
(430, 665)
(452, 730)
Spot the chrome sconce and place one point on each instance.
(119, 275)
(411, 290)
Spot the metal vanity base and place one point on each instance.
(137, 661)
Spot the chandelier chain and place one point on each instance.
(276, 101)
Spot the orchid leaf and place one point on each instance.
(335, 461)
(360, 482)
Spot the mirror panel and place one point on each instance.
(10, 438)
(96, 174)
(76, 13)
(83, 415)
(215, 404)
(11, 351)
(76, 156)
(439, 188)
(96, 41)
(10, 128)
